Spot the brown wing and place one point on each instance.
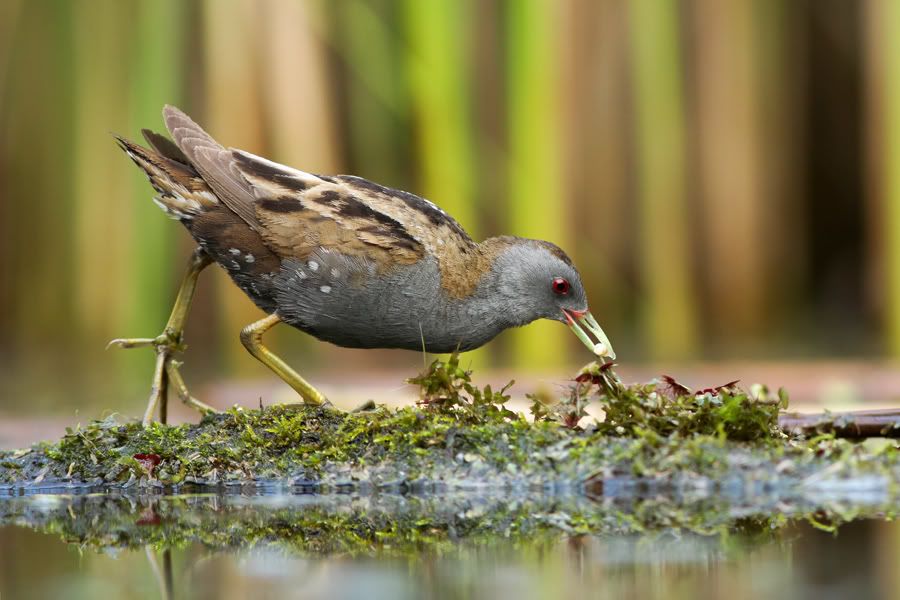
(424, 220)
(301, 212)
(462, 262)
(213, 162)
(164, 146)
(297, 213)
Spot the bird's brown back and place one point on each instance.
(271, 212)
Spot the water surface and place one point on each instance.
(454, 546)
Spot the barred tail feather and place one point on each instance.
(182, 192)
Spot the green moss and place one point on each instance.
(634, 472)
(460, 435)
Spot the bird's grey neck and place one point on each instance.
(465, 323)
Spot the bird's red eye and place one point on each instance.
(560, 286)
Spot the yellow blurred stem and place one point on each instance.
(884, 20)
(156, 78)
(230, 41)
(536, 182)
(669, 310)
(439, 35)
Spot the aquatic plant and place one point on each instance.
(665, 408)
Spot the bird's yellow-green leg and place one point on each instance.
(251, 337)
(177, 383)
(169, 342)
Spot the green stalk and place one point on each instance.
(536, 183)
(669, 309)
(437, 31)
(779, 94)
(438, 35)
(156, 79)
(101, 191)
(375, 89)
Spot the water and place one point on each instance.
(453, 546)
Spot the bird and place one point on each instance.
(341, 258)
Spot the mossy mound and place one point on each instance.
(463, 437)
(287, 442)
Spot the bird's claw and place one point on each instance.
(168, 342)
(130, 342)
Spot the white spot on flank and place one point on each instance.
(249, 258)
(326, 289)
(301, 274)
(234, 251)
(335, 273)
(313, 265)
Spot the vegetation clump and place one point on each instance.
(447, 388)
(665, 408)
(459, 436)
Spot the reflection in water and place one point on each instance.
(211, 546)
(162, 572)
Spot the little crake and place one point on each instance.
(344, 259)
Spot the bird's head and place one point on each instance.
(538, 281)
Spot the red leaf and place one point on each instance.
(148, 517)
(148, 461)
(728, 386)
(675, 387)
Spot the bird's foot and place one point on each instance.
(167, 345)
(168, 341)
(181, 389)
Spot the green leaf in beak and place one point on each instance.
(578, 323)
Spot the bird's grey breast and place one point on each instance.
(344, 300)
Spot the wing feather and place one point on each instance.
(213, 162)
(165, 146)
(302, 212)
(299, 213)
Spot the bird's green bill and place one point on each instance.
(583, 324)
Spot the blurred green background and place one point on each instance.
(726, 173)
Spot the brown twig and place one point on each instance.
(852, 424)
